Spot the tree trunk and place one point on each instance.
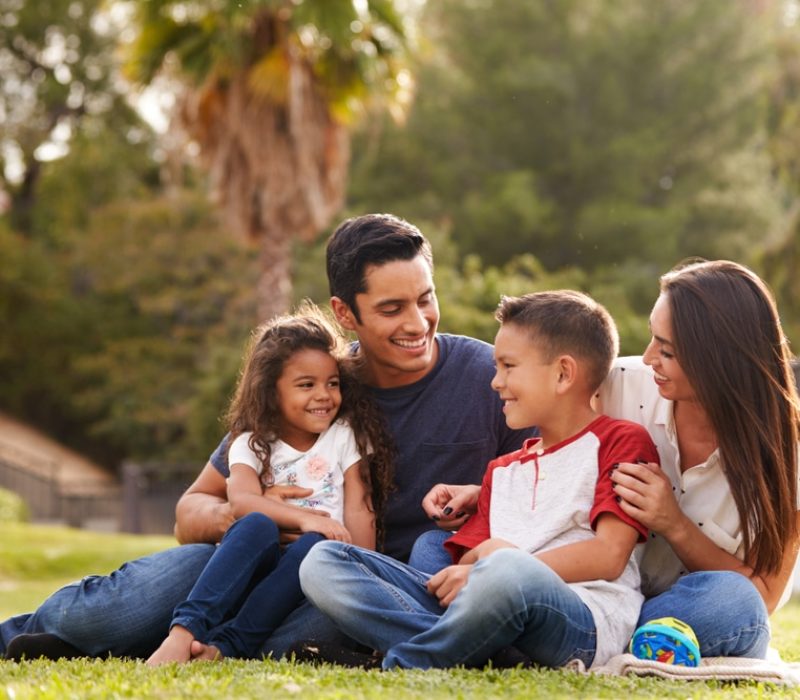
(274, 288)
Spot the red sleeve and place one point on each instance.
(620, 441)
(477, 528)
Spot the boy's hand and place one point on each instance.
(450, 505)
(446, 584)
(327, 527)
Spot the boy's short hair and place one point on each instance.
(372, 239)
(569, 323)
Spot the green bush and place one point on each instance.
(12, 508)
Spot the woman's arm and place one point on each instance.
(359, 519)
(647, 495)
(245, 496)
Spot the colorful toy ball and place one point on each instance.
(668, 640)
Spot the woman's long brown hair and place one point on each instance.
(729, 341)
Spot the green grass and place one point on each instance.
(36, 560)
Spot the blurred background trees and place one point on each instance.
(581, 143)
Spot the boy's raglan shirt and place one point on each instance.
(540, 499)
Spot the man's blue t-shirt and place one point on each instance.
(447, 427)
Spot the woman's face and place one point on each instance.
(660, 355)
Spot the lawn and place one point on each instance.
(36, 560)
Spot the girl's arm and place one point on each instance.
(359, 519)
(244, 495)
(647, 496)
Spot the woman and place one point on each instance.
(716, 392)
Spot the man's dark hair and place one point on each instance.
(372, 239)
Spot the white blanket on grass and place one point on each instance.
(720, 668)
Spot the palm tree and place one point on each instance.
(269, 90)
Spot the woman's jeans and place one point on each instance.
(247, 589)
(724, 608)
(510, 598)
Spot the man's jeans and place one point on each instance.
(724, 608)
(128, 612)
(247, 589)
(510, 598)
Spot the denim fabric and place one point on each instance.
(247, 589)
(510, 598)
(428, 553)
(725, 610)
(305, 623)
(126, 613)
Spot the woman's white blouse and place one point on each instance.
(702, 491)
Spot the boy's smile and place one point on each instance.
(523, 379)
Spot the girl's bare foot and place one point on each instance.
(205, 652)
(175, 648)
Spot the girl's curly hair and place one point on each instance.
(255, 407)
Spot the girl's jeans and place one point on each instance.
(247, 589)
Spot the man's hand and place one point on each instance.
(446, 584)
(284, 492)
(450, 505)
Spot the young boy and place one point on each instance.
(545, 564)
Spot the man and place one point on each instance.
(434, 390)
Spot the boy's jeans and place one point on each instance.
(724, 608)
(510, 598)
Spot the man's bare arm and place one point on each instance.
(202, 513)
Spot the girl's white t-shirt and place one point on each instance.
(320, 468)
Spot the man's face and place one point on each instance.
(399, 315)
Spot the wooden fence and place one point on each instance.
(142, 500)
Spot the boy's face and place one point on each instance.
(523, 379)
(399, 316)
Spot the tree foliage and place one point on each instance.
(58, 66)
(269, 89)
(586, 133)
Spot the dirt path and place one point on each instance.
(27, 447)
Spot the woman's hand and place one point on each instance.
(326, 526)
(446, 584)
(450, 505)
(646, 494)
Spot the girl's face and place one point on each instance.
(672, 383)
(308, 397)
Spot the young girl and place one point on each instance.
(299, 417)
